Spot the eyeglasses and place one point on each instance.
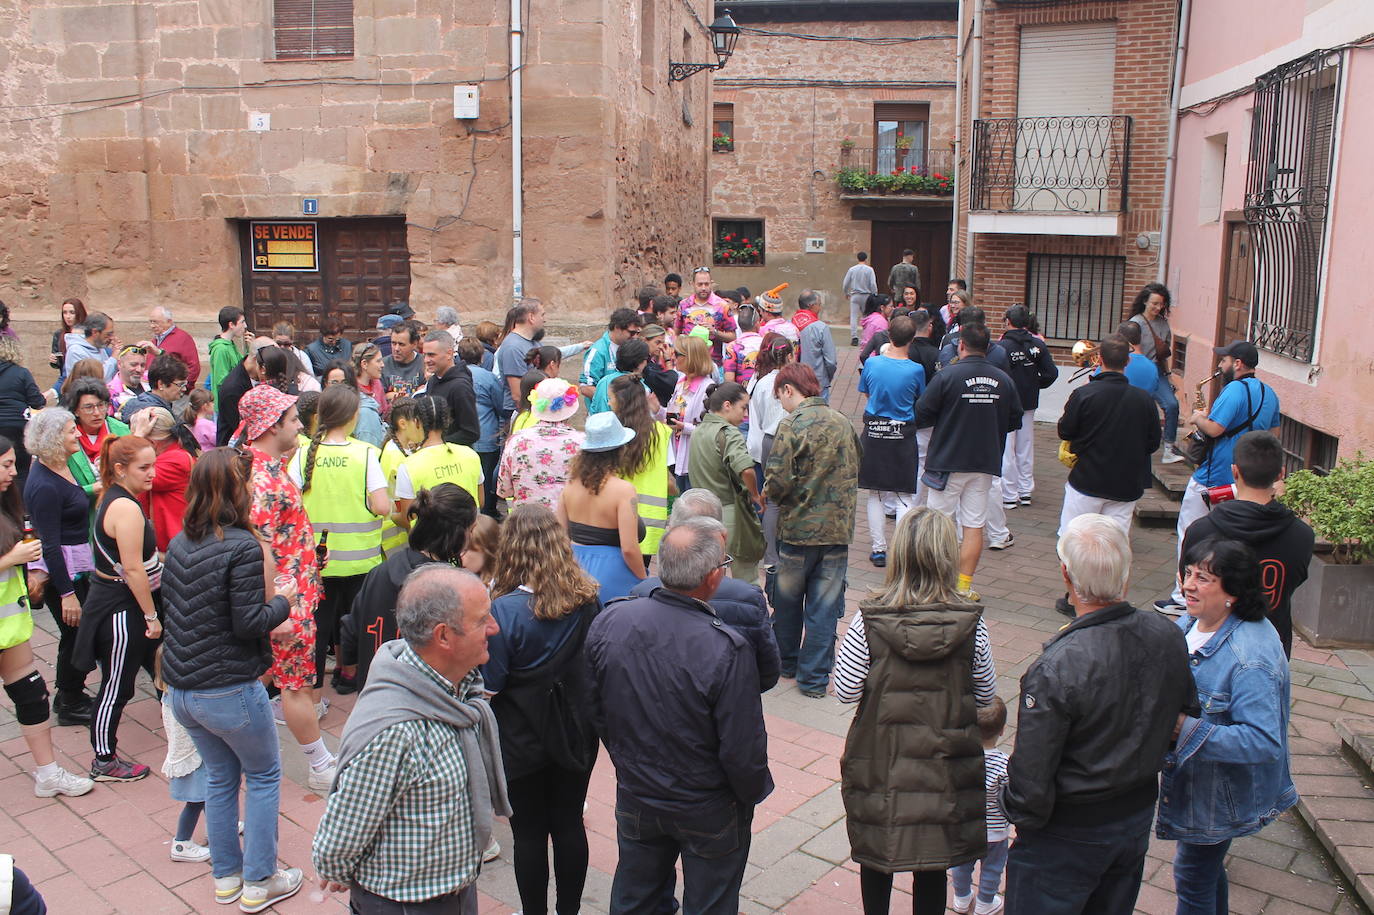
(728, 559)
(182, 384)
(93, 408)
(634, 331)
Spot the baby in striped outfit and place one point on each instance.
(992, 721)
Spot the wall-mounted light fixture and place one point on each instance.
(724, 34)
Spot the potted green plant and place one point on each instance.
(852, 180)
(846, 143)
(884, 184)
(1335, 607)
(722, 142)
(903, 141)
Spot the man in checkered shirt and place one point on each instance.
(419, 764)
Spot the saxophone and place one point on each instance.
(1198, 402)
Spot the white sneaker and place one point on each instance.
(493, 852)
(962, 904)
(322, 708)
(988, 908)
(228, 889)
(190, 852)
(262, 894)
(1170, 455)
(321, 781)
(278, 715)
(63, 782)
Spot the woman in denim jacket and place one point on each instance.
(1228, 774)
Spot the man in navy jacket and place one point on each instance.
(676, 701)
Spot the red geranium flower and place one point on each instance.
(900, 169)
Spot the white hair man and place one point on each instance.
(736, 601)
(166, 337)
(446, 319)
(1099, 709)
(420, 761)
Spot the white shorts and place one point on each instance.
(964, 498)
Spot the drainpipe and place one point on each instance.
(517, 199)
(958, 142)
(975, 108)
(1166, 216)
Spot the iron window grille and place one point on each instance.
(1305, 448)
(1287, 190)
(1075, 296)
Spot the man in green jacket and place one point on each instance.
(813, 477)
(228, 348)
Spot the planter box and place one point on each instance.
(1335, 607)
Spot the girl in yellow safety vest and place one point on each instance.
(344, 491)
(644, 459)
(24, 684)
(435, 461)
(401, 442)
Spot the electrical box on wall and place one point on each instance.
(815, 246)
(465, 102)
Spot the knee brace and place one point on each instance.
(30, 697)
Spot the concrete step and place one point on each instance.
(1336, 807)
(1171, 479)
(1157, 509)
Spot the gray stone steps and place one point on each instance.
(1339, 807)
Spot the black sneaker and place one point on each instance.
(853, 341)
(343, 685)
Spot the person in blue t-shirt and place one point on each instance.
(1140, 369)
(887, 468)
(1246, 404)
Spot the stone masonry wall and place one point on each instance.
(130, 202)
(787, 140)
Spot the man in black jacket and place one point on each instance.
(452, 381)
(677, 704)
(1032, 370)
(973, 405)
(1281, 540)
(1099, 708)
(739, 603)
(1113, 428)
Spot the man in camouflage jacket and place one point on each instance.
(813, 477)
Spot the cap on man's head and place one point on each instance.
(1243, 350)
(403, 309)
(388, 321)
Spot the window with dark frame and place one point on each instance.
(737, 242)
(723, 127)
(899, 136)
(1075, 296)
(1305, 448)
(312, 29)
(1287, 195)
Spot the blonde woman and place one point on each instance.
(915, 636)
(689, 400)
(544, 604)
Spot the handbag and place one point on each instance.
(1197, 445)
(1161, 354)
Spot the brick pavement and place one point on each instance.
(108, 851)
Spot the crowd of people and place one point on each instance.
(515, 569)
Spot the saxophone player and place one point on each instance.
(1245, 404)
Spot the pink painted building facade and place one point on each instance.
(1270, 235)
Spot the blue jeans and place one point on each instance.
(1167, 399)
(1200, 878)
(808, 592)
(1079, 870)
(989, 874)
(236, 737)
(714, 845)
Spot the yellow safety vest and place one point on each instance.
(523, 421)
(394, 537)
(16, 622)
(445, 463)
(651, 484)
(337, 502)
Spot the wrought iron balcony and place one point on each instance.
(1073, 164)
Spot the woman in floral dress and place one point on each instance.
(270, 427)
(536, 461)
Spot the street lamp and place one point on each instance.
(724, 34)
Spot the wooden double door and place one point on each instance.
(362, 268)
(930, 241)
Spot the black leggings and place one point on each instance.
(120, 645)
(333, 607)
(69, 679)
(491, 461)
(548, 805)
(927, 891)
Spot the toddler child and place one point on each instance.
(992, 721)
(187, 779)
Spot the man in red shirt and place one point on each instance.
(703, 308)
(168, 338)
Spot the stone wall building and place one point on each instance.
(820, 91)
(1063, 144)
(141, 142)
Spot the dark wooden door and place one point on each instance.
(1233, 315)
(930, 241)
(364, 266)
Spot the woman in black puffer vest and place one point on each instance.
(218, 622)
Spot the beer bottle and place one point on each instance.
(322, 548)
(29, 534)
